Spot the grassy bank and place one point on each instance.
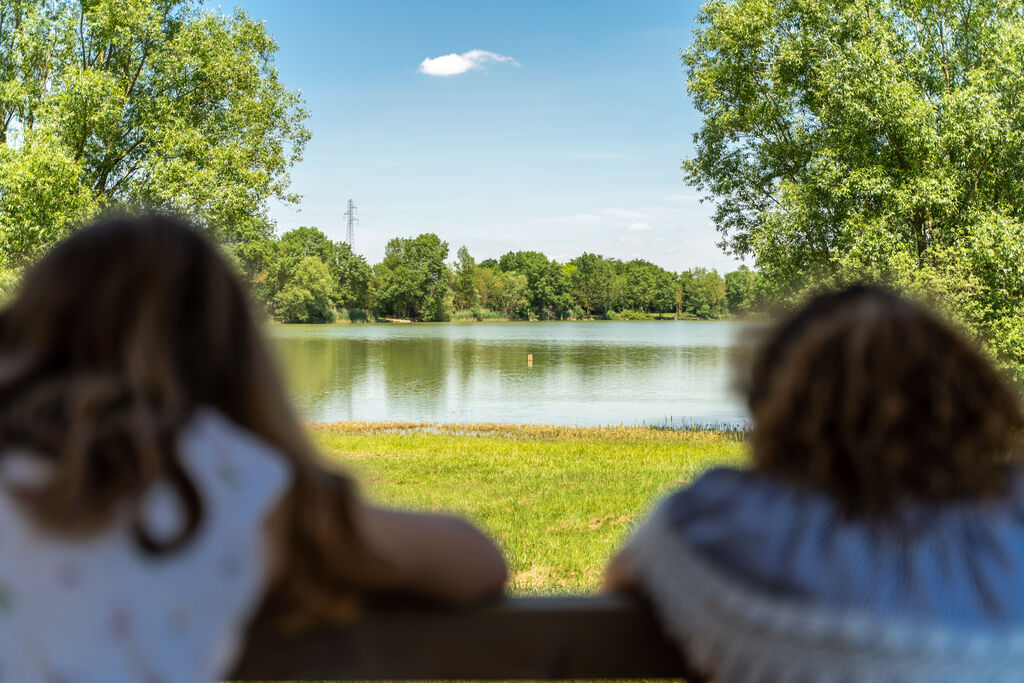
(557, 499)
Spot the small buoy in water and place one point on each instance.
(529, 360)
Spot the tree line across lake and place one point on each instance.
(841, 141)
(302, 277)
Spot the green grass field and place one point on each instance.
(558, 500)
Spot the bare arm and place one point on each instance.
(434, 556)
(620, 575)
(437, 557)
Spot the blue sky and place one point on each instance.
(570, 142)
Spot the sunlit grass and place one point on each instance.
(558, 500)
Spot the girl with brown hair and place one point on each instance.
(878, 535)
(155, 485)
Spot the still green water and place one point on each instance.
(587, 373)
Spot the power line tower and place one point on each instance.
(350, 222)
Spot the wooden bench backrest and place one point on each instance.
(532, 638)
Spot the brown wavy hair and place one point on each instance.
(116, 337)
(874, 400)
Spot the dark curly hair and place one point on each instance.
(874, 400)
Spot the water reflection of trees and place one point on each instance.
(441, 378)
(415, 373)
(322, 374)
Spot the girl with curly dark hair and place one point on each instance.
(878, 535)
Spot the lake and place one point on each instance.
(588, 373)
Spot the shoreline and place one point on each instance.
(405, 321)
(530, 430)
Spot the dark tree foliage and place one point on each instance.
(845, 140)
(303, 276)
(594, 283)
(413, 281)
(647, 288)
(546, 282)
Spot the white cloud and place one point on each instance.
(638, 227)
(453, 64)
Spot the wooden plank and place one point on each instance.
(533, 638)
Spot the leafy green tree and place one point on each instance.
(154, 104)
(9, 280)
(855, 139)
(647, 287)
(43, 194)
(704, 293)
(252, 244)
(593, 283)
(306, 297)
(741, 291)
(547, 283)
(514, 295)
(282, 255)
(413, 281)
(351, 274)
(487, 283)
(306, 241)
(465, 289)
(504, 292)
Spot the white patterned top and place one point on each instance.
(99, 610)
